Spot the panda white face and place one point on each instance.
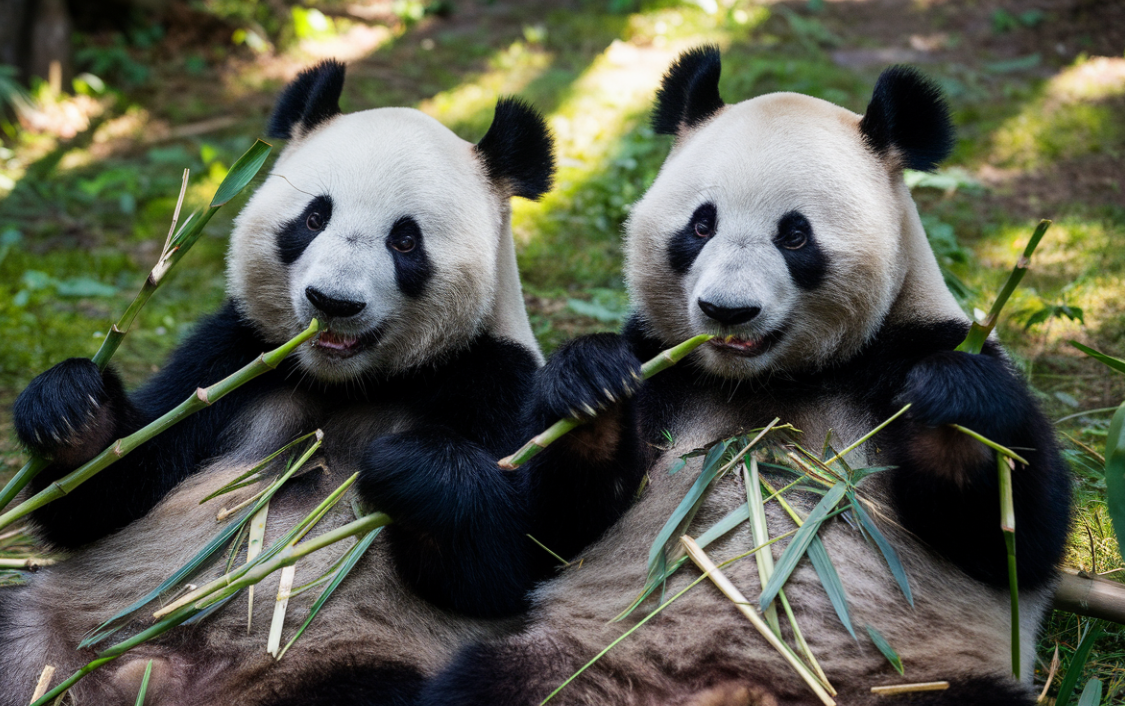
(382, 225)
(790, 257)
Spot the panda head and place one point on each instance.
(781, 224)
(386, 227)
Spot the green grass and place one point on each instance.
(85, 216)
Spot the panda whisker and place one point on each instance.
(297, 188)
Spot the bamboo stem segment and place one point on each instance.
(536, 444)
(723, 583)
(202, 398)
(176, 246)
(979, 332)
(895, 689)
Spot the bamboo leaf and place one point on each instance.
(885, 547)
(144, 684)
(1091, 694)
(201, 559)
(885, 648)
(861, 473)
(830, 579)
(352, 558)
(687, 508)
(800, 543)
(1078, 662)
(242, 172)
(678, 465)
(1115, 363)
(1115, 473)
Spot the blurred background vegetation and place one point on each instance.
(103, 104)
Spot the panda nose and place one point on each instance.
(340, 308)
(729, 316)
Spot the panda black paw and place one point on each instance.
(974, 391)
(586, 376)
(66, 413)
(431, 480)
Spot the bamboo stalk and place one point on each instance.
(45, 677)
(723, 583)
(895, 689)
(203, 397)
(1008, 526)
(979, 332)
(253, 549)
(31, 562)
(661, 362)
(284, 590)
(175, 247)
(866, 436)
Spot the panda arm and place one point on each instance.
(583, 482)
(126, 490)
(946, 486)
(460, 524)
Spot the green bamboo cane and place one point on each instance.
(1008, 526)
(979, 332)
(175, 247)
(203, 397)
(663, 361)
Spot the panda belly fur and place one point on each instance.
(372, 623)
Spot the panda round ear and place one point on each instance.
(908, 119)
(309, 100)
(518, 151)
(689, 92)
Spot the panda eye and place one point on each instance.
(794, 240)
(404, 243)
(703, 221)
(314, 221)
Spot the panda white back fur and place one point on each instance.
(782, 226)
(395, 233)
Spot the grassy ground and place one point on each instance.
(1037, 87)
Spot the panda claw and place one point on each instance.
(609, 395)
(590, 410)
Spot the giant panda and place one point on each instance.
(782, 225)
(395, 234)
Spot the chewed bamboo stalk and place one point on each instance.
(31, 562)
(203, 397)
(284, 590)
(720, 580)
(979, 332)
(536, 444)
(176, 246)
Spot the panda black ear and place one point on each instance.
(908, 115)
(309, 100)
(518, 151)
(689, 93)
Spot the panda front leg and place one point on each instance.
(458, 536)
(946, 488)
(73, 411)
(582, 483)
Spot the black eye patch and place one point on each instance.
(807, 263)
(686, 244)
(297, 234)
(412, 266)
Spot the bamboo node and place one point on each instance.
(201, 394)
(1024, 263)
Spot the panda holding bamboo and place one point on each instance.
(395, 234)
(782, 226)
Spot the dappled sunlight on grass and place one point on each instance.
(1070, 117)
(467, 109)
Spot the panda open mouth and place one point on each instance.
(746, 347)
(344, 345)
